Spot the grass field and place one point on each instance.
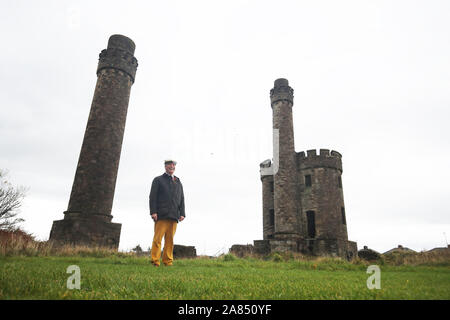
(227, 277)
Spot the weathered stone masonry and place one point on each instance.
(303, 201)
(88, 218)
(287, 224)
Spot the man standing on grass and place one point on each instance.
(166, 209)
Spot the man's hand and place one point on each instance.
(154, 216)
(181, 218)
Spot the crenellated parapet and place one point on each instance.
(281, 92)
(119, 55)
(265, 168)
(325, 159)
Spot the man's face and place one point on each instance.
(170, 168)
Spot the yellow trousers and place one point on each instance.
(166, 229)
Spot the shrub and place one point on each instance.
(277, 257)
(229, 257)
(418, 258)
(18, 242)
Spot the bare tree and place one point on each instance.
(10, 202)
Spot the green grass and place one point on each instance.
(228, 277)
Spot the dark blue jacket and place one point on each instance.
(167, 198)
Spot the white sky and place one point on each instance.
(371, 80)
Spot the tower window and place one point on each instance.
(343, 216)
(308, 181)
(271, 217)
(271, 187)
(311, 221)
(340, 182)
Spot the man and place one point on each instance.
(166, 209)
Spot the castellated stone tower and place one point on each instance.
(303, 201)
(87, 220)
(287, 225)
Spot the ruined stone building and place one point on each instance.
(303, 201)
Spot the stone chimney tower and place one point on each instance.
(287, 224)
(88, 218)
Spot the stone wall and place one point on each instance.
(368, 254)
(180, 251)
(316, 247)
(268, 207)
(240, 250)
(85, 231)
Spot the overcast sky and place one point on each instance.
(371, 80)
